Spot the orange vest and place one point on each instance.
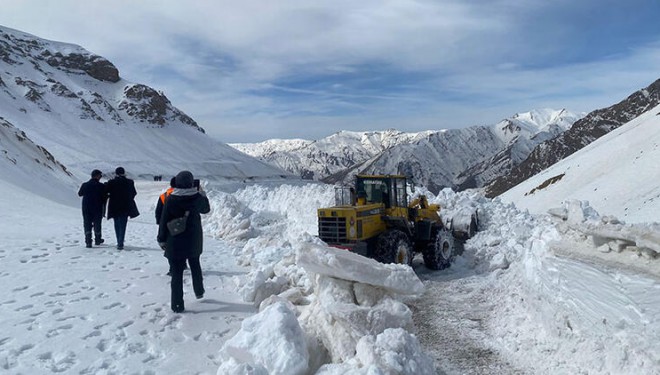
(166, 194)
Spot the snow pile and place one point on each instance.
(552, 314)
(354, 318)
(264, 221)
(350, 309)
(607, 233)
(270, 342)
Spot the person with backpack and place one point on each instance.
(121, 203)
(93, 205)
(180, 234)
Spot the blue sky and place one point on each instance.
(252, 70)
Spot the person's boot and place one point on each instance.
(88, 239)
(99, 241)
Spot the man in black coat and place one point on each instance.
(121, 193)
(93, 204)
(187, 245)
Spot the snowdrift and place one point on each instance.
(353, 312)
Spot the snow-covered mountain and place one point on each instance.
(628, 155)
(458, 157)
(75, 105)
(29, 166)
(469, 157)
(583, 132)
(321, 158)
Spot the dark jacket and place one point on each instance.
(189, 243)
(120, 191)
(93, 197)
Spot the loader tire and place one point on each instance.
(394, 247)
(473, 227)
(440, 252)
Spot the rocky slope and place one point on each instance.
(76, 105)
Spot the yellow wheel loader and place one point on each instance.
(375, 219)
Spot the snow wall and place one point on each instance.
(327, 311)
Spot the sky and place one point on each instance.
(252, 70)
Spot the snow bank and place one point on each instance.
(549, 313)
(607, 233)
(347, 309)
(555, 315)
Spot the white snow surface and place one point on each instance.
(275, 293)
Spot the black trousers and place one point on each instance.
(177, 266)
(92, 221)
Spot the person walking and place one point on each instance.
(121, 204)
(159, 210)
(93, 204)
(189, 202)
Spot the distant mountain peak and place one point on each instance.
(582, 132)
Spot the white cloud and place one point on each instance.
(214, 59)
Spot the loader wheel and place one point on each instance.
(473, 227)
(393, 247)
(440, 252)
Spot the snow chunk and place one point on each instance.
(394, 351)
(270, 342)
(345, 265)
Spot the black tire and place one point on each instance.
(440, 252)
(394, 247)
(473, 227)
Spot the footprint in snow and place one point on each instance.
(24, 307)
(57, 331)
(113, 305)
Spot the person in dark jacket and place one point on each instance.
(159, 210)
(93, 205)
(121, 194)
(187, 245)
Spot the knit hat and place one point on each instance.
(96, 173)
(184, 180)
(173, 182)
(120, 171)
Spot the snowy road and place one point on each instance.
(452, 320)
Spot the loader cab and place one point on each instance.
(387, 189)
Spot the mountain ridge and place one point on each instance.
(593, 126)
(457, 158)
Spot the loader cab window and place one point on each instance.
(391, 192)
(372, 188)
(399, 188)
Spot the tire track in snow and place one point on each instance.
(451, 320)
